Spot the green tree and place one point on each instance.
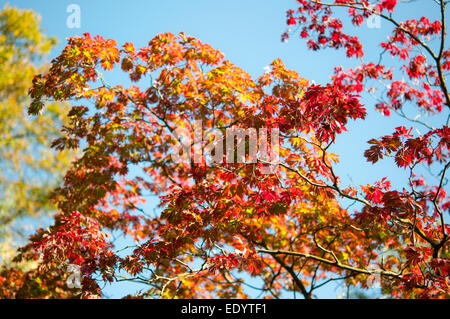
(29, 169)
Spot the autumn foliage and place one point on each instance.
(417, 78)
(24, 141)
(221, 223)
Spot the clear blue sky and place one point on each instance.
(248, 33)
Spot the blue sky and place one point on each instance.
(248, 33)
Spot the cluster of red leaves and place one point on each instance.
(322, 29)
(80, 238)
(77, 240)
(409, 150)
(327, 110)
(415, 78)
(325, 31)
(427, 271)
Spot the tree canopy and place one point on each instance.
(254, 192)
